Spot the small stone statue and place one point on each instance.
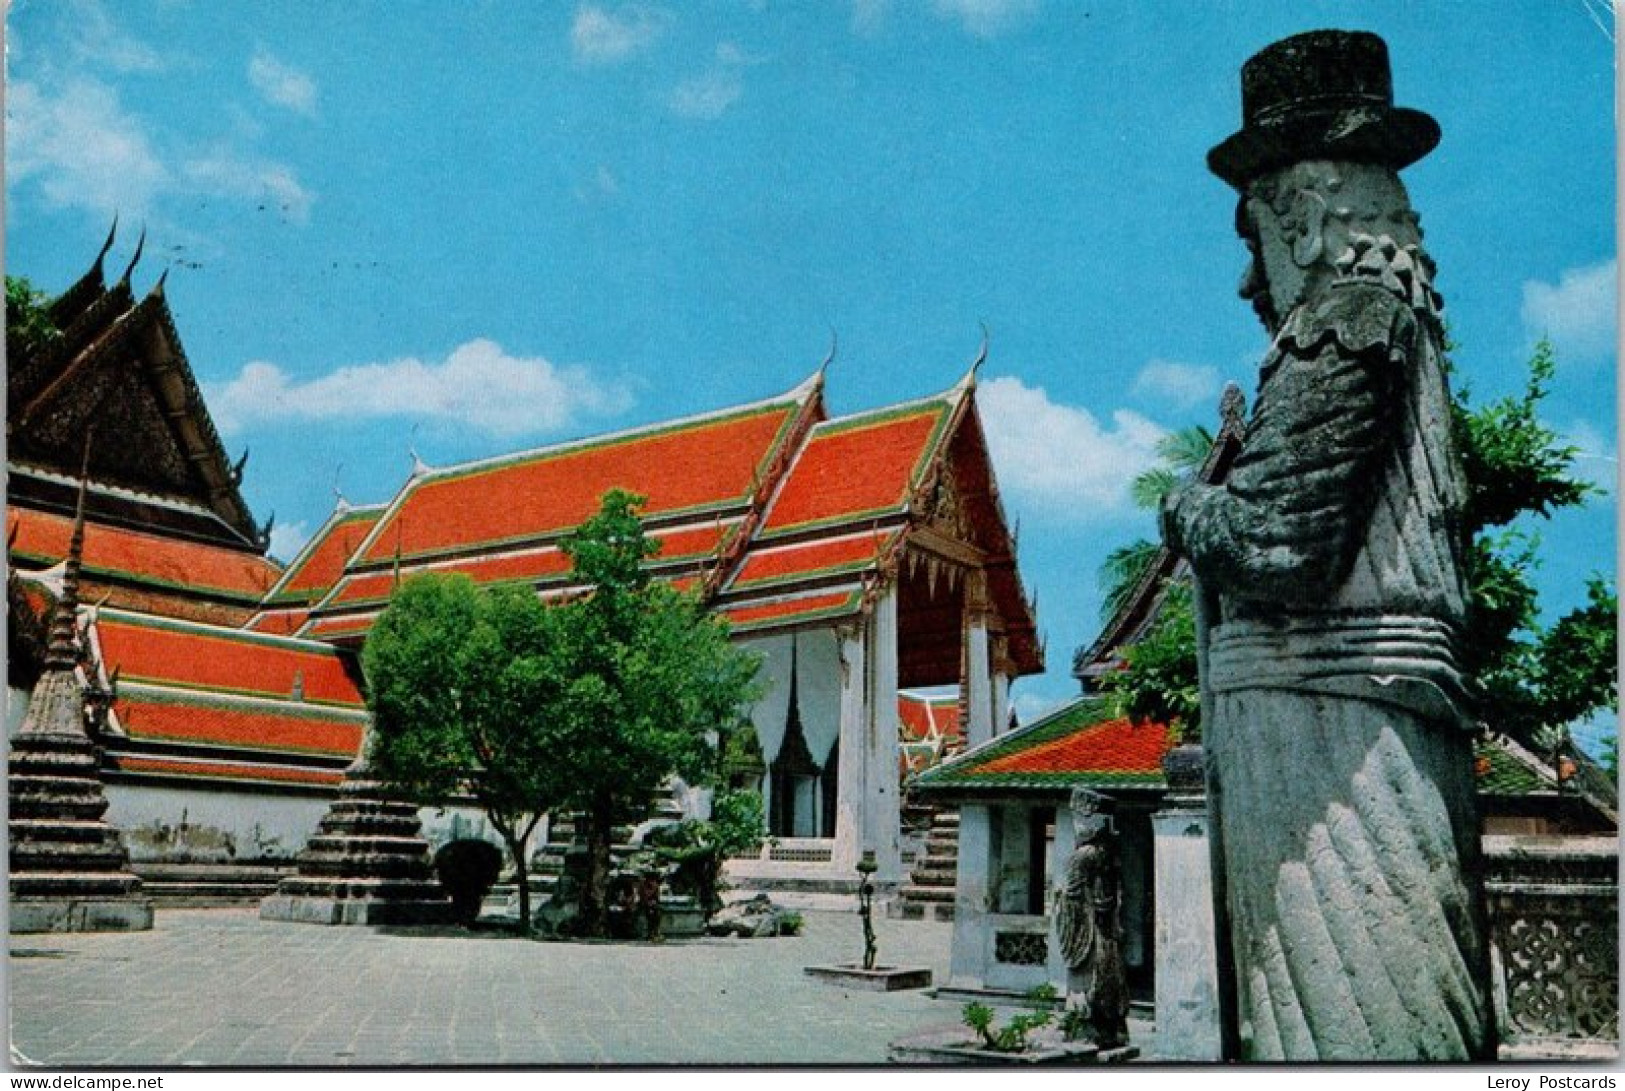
(1089, 923)
(1331, 595)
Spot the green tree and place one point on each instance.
(650, 684)
(28, 319)
(459, 679)
(1158, 682)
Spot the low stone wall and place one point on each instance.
(1554, 922)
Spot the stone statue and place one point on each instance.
(1329, 569)
(1090, 928)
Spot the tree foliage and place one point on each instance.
(28, 319)
(1158, 682)
(649, 685)
(457, 678)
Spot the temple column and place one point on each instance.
(1001, 685)
(973, 884)
(978, 673)
(883, 813)
(851, 782)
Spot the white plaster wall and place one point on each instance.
(210, 825)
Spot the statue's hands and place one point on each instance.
(1168, 517)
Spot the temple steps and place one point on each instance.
(929, 893)
(209, 886)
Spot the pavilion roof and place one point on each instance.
(319, 564)
(925, 717)
(1081, 744)
(694, 468)
(119, 364)
(157, 561)
(206, 701)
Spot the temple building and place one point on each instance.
(866, 558)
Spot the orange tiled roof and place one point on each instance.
(693, 465)
(159, 714)
(170, 563)
(1081, 743)
(766, 567)
(925, 718)
(205, 657)
(685, 544)
(277, 774)
(319, 565)
(279, 622)
(893, 448)
(820, 607)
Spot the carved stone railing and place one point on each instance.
(1554, 922)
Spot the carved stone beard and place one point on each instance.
(1300, 225)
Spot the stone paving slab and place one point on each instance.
(221, 987)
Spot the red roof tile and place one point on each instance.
(690, 543)
(928, 717)
(321, 562)
(146, 558)
(858, 466)
(684, 466)
(279, 622)
(205, 657)
(1116, 746)
(823, 557)
(234, 724)
(228, 770)
(792, 611)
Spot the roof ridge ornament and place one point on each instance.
(420, 468)
(341, 505)
(829, 357)
(140, 245)
(112, 233)
(968, 383)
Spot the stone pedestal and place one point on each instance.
(1187, 984)
(69, 868)
(366, 864)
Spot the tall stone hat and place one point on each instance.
(1327, 94)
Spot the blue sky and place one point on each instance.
(469, 228)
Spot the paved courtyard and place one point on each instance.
(220, 987)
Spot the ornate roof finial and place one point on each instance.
(969, 381)
(265, 532)
(61, 652)
(158, 289)
(140, 245)
(238, 467)
(419, 467)
(112, 234)
(340, 504)
(1232, 406)
(829, 357)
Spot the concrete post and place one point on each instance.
(883, 811)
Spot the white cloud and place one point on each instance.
(99, 43)
(707, 97)
(1183, 386)
(1596, 457)
(986, 18)
(281, 84)
(1032, 707)
(599, 37)
(272, 184)
(287, 539)
(1579, 313)
(81, 148)
(478, 384)
(1060, 459)
(869, 16)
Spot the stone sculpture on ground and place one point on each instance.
(1329, 568)
(367, 863)
(1090, 926)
